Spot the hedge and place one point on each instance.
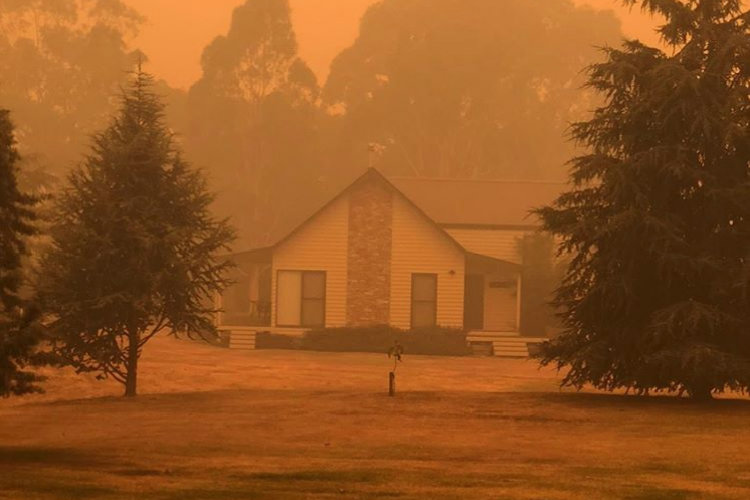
(435, 341)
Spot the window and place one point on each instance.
(313, 308)
(300, 298)
(423, 300)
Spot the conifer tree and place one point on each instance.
(18, 337)
(658, 219)
(134, 244)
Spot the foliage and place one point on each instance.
(436, 341)
(658, 223)
(18, 335)
(541, 275)
(253, 117)
(267, 340)
(61, 61)
(465, 88)
(134, 247)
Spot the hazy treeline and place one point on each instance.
(449, 88)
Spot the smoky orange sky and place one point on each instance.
(178, 30)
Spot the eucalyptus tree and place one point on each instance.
(254, 119)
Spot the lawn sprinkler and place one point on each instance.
(397, 353)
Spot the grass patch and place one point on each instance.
(353, 476)
(140, 472)
(650, 493)
(31, 487)
(295, 425)
(211, 494)
(24, 456)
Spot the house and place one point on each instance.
(405, 252)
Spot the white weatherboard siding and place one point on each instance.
(497, 243)
(319, 245)
(420, 247)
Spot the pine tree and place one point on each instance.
(134, 245)
(18, 337)
(658, 219)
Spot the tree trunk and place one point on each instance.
(131, 382)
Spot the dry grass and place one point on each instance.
(217, 424)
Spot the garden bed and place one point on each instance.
(377, 339)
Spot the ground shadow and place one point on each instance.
(19, 455)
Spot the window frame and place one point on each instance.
(302, 298)
(414, 277)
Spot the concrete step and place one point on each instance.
(493, 339)
(510, 348)
(242, 340)
(497, 349)
(517, 338)
(514, 355)
(484, 335)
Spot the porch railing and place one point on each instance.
(258, 314)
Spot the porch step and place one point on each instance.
(242, 340)
(503, 337)
(510, 349)
(502, 344)
(482, 336)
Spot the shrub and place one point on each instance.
(267, 340)
(437, 341)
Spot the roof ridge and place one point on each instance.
(495, 181)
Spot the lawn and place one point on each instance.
(219, 424)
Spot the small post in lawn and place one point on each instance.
(396, 352)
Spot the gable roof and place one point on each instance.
(446, 203)
(373, 174)
(458, 202)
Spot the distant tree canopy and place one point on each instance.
(657, 296)
(466, 88)
(253, 119)
(450, 88)
(61, 63)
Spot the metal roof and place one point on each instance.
(457, 202)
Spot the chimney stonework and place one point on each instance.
(369, 256)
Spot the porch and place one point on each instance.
(492, 308)
(502, 344)
(246, 303)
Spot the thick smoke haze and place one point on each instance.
(359, 249)
(260, 92)
(174, 38)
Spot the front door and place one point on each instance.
(474, 302)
